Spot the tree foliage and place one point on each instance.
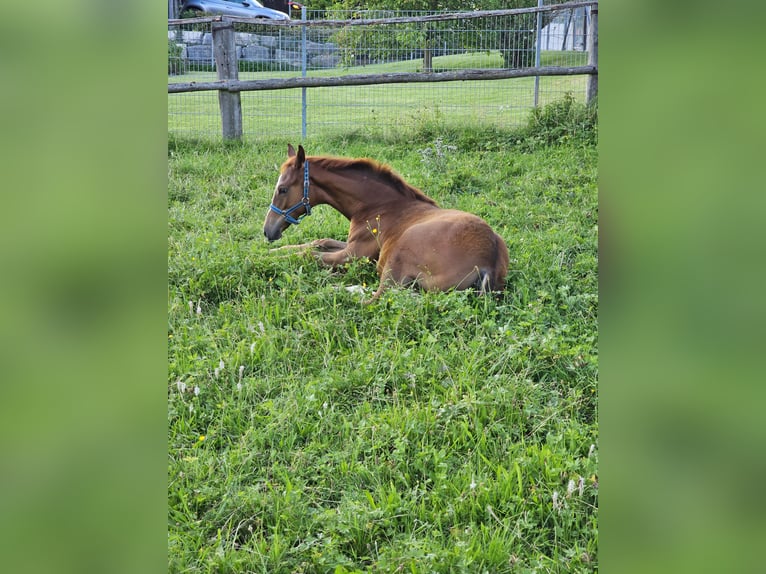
(513, 36)
(432, 5)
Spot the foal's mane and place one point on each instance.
(381, 171)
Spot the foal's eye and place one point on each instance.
(282, 190)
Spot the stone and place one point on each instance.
(268, 41)
(199, 53)
(324, 61)
(255, 53)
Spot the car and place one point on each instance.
(242, 8)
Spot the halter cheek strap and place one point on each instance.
(302, 203)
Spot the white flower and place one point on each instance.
(181, 386)
(191, 407)
(241, 371)
(196, 391)
(261, 328)
(580, 486)
(357, 289)
(557, 504)
(239, 386)
(591, 450)
(570, 487)
(472, 486)
(191, 306)
(221, 365)
(252, 348)
(199, 309)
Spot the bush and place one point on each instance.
(562, 121)
(175, 63)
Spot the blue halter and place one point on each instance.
(302, 203)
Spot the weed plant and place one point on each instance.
(562, 121)
(429, 432)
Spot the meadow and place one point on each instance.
(428, 432)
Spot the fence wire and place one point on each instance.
(265, 52)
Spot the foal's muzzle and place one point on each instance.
(272, 237)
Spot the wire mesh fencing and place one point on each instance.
(332, 44)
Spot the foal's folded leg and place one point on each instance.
(328, 245)
(322, 245)
(331, 257)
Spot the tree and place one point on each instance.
(514, 36)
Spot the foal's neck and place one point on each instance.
(351, 191)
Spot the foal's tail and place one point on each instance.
(484, 282)
(493, 279)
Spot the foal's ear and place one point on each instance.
(301, 156)
(290, 150)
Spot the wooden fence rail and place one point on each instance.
(229, 86)
(369, 79)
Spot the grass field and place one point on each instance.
(430, 432)
(378, 109)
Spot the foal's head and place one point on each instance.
(290, 202)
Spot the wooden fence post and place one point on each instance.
(225, 53)
(592, 90)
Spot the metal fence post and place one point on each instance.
(304, 65)
(225, 53)
(592, 89)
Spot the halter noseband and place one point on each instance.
(302, 203)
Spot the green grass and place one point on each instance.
(429, 432)
(379, 109)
